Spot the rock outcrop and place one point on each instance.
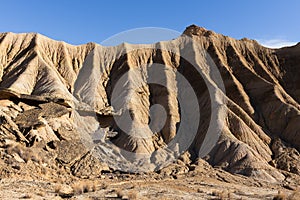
(89, 101)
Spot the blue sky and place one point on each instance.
(77, 22)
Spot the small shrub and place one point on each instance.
(57, 188)
(132, 195)
(280, 196)
(83, 187)
(27, 196)
(41, 193)
(221, 194)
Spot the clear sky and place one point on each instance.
(79, 22)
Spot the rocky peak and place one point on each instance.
(197, 31)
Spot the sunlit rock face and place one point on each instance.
(125, 107)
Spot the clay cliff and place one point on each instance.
(58, 106)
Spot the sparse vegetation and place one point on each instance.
(27, 196)
(57, 188)
(83, 187)
(120, 193)
(221, 195)
(41, 193)
(132, 194)
(25, 153)
(295, 195)
(280, 196)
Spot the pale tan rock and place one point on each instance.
(47, 79)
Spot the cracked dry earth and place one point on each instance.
(55, 97)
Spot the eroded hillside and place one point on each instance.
(90, 109)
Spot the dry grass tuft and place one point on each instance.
(83, 187)
(221, 194)
(25, 153)
(120, 193)
(27, 196)
(57, 188)
(41, 193)
(280, 196)
(295, 195)
(132, 195)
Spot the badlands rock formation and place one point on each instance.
(89, 108)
